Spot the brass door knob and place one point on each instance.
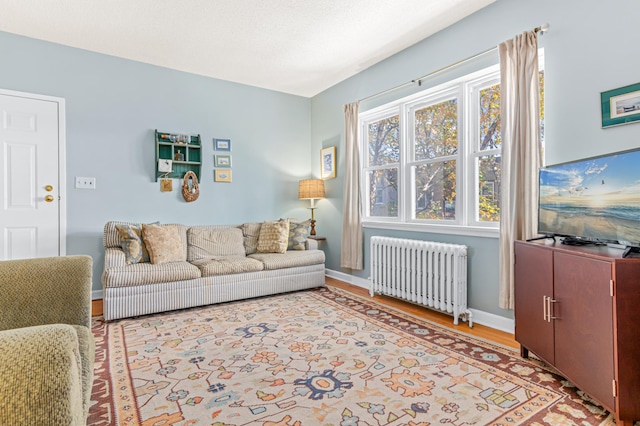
(48, 198)
(48, 188)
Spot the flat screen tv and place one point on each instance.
(595, 200)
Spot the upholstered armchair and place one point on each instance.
(47, 350)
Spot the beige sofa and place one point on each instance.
(216, 264)
(48, 351)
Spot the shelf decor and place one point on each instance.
(620, 106)
(177, 154)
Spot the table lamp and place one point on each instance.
(311, 189)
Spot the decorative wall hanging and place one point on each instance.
(190, 188)
(223, 176)
(222, 144)
(166, 185)
(223, 160)
(328, 163)
(620, 106)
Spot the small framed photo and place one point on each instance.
(620, 106)
(222, 160)
(328, 162)
(222, 144)
(222, 176)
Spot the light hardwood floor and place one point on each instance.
(500, 337)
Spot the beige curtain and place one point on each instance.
(521, 151)
(351, 254)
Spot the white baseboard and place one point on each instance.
(96, 294)
(479, 317)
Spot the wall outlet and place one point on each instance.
(85, 182)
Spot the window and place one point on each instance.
(433, 160)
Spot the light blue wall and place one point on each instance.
(112, 108)
(591, 47)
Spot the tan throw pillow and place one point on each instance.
(164, 243)
(274, 237)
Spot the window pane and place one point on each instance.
(384, 145)
(383, 193)
(435, 191)
(490, 135)
(489, 179)
(436, 130)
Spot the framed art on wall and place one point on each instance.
(620, 106)
(328, 162)
(223, 160)
(223, 176)
(222, 144)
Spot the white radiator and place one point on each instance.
(423, 272)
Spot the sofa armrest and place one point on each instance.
(114, 257)
(45, 291)
(311, 244)
(40, 376)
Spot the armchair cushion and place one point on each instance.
(46, 367)
(40, 376)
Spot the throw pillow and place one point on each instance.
(131, 243)
(251, 232)
(164, 243)
(274, 237)
(298, 234)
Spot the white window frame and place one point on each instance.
(465, 223)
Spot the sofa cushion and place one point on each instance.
(164, 243)
(298, 234)
(274, 237)
(208, 242)
(289, 259)
(148, 273)
(227, 265)
(131, 243)
(251, 232)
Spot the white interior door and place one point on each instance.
(31, 215)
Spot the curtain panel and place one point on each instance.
(521, 152)
(351, 254)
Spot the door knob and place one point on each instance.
(48, 188)
(48, 198)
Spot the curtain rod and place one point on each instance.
(538, 30)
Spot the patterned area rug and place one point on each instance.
(319, 357)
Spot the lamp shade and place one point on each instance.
(310, 189)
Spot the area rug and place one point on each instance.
(319, 357)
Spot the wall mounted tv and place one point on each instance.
(595, 200)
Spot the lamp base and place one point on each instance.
(313, 223)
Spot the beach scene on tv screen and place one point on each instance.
(597, 198)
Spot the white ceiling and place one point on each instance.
(300, 47)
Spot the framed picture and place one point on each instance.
(222, 160)
(328, 162)
(222, 144)
(223, 176)
(620, 106)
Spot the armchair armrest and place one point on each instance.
(311, 244)
(40, 371)
(45, 291)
